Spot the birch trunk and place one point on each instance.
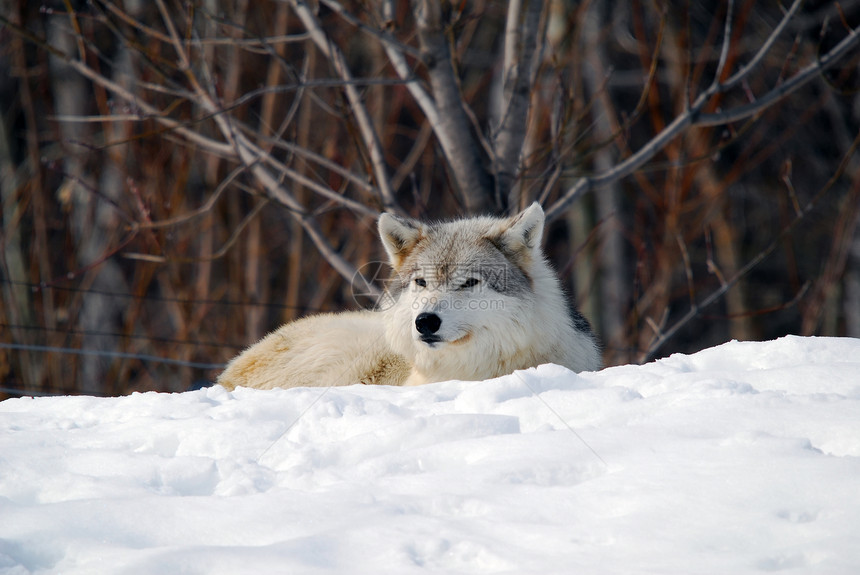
(613, 267)
(93, 222)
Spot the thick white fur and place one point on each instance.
(486, 333)
(483, 332)
(319, 350)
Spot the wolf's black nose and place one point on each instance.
(427, 323)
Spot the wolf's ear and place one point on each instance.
(399, 236)
(524, 231)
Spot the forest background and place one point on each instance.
(180, 177)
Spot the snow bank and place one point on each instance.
(738, 459)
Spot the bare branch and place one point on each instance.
(204, 209)
(384, 37)
(396, 54)
(765, 48)
(365, 125)
(220, 253)
(398, 60)
(798, 80)
(253, 157)
(444, 109)
(727, 41)
(259, 45)
(664, 336)
(214, 146)
(322, 190)
(694, 117)
(208, 144)
(520, 48)
(238, 146)
(452, 126)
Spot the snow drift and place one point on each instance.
(739, 459)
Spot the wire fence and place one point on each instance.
(37, 287)
(12, 385)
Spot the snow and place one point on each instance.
(743, 458)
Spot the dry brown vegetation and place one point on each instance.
(178, 178)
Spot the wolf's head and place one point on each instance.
(467, 292)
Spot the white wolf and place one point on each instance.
(470, 299)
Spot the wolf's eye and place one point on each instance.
(420, 282)
(471, 282)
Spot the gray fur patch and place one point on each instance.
(580, 323)
(454, 263)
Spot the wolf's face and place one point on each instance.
(459, 285)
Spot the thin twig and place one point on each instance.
(694, 117)
(695, 309)
(765, 48)
(727, 40)
(220, 253)
(253, 157)
(365, 125)
(688, 268)
(247, 43)
(384, 37)
(398, 60)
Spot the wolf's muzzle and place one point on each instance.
(427, 325)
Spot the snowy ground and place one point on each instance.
(739, 459)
